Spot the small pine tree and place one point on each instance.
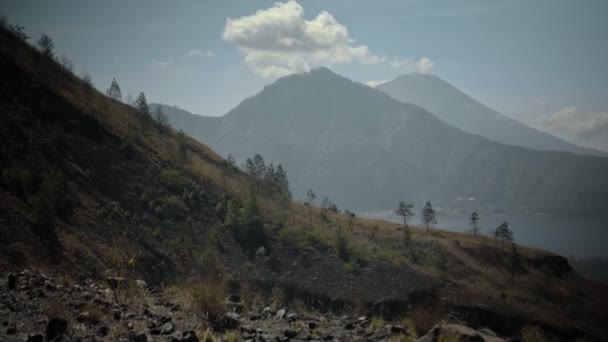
(428, 215)
(515, 259)
(310, 198)
(473, 221)
(46, 45)
(404, 210)
(504, 234)
(142, 106)
(114, 91)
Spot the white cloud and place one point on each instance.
(409, 65)
(197, 54)
(165, 64)
(374, 83)
(278, 41)
(584, 128)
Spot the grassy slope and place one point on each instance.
(123, 202)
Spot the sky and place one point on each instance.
(542, 62)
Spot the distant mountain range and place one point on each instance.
(461, 111)
(367, 151)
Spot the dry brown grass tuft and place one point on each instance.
(206, 298)
(423, 318)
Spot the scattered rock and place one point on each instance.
(103, 331)
(141, 284)
(138, 337)
(230, 321)
(35, 338)
(290, 333)
(11, 282)
(12, 329)
(56, 327)
(397, 329)
(115, 282)
(281, 314)
(260, 252)
(167, 328)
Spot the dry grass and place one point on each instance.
(423, 318)
(532, 334)
(206, 298)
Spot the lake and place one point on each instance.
(565, 236)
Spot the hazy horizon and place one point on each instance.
(542, 64)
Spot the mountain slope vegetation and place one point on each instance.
(461, 111)
(91, 188)
(367, 151)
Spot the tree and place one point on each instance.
(162, 120)
(87, 86)
(256, 168)
(130, 102)
(182, 147)
(428, 215)
(142, 106)
(250, 211)
(473, 221)
(283, 182)
(515, 259)
(46, 45)
(230, 160)
(404, 210)
(66, 65)
(114, 91)
(504, 234)
(310, 198)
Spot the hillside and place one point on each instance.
(461, 111)
(94, 199)
(367, 151)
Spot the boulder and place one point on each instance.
(291, 333)
(281, 314)
(462, 332)
(11, 282)
(56, 327)
(167, 328)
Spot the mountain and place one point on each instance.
(366, 150)
(110, 227)
(461, 111)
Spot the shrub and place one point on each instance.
(206, 297)
(342, 246)
(532, 334)
(175, 180)
(173, 206)
(423, 318)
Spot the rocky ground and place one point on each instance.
(34, 307)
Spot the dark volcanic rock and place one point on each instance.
(11, 281)
(56, 327)
(138, 337)
(290, 333)
(167, 328)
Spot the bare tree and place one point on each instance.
(162, 120)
